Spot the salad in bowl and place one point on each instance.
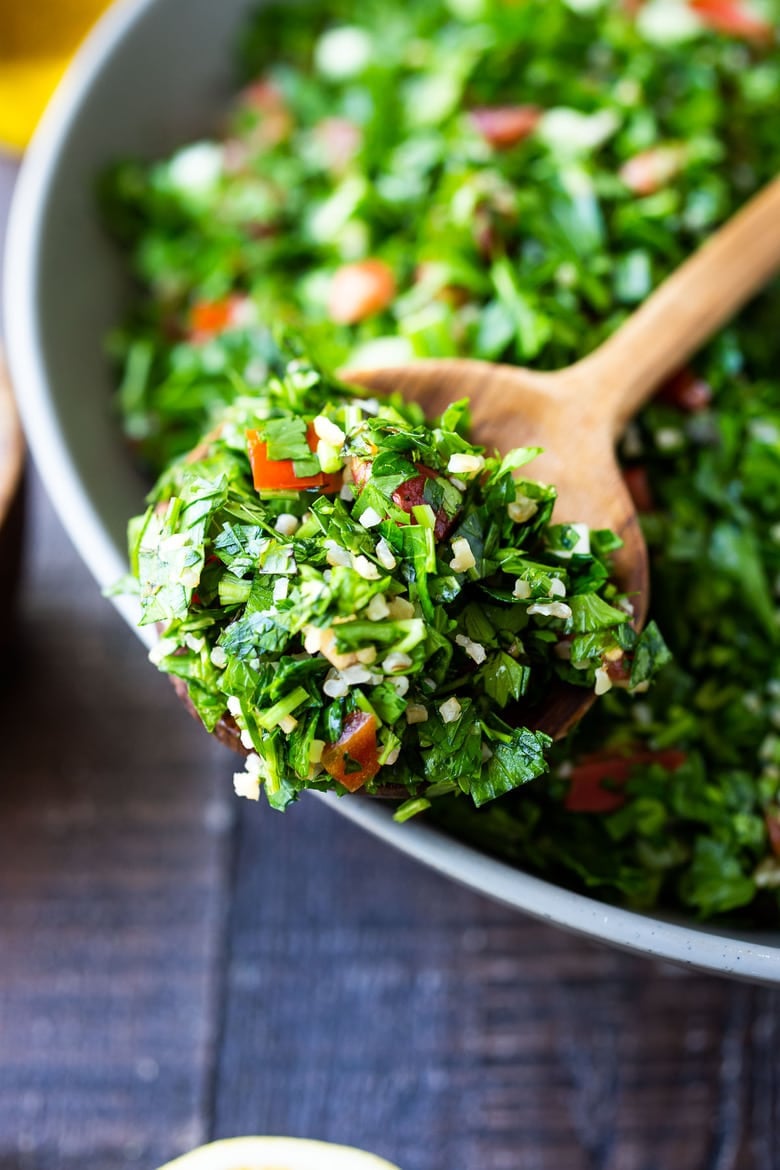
(449, 178)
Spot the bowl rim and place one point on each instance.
(756, 958)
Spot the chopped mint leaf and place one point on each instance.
(285, 438)
(650, 655)
(504, 678)
(512, 764)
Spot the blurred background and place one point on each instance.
(36, 42)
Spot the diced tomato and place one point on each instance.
(208, 319)
(274, 120)
(411, 495)
(635, 479)
(360, 290)
(279, 474)
(619, 671)
(339, 140)
(652, 169)
(687, 392)
(408, 495)
(733, 18)
(262, 96)
(354, 758)
(772, 819)
(586, 792)
(505, 126)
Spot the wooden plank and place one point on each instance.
(114, 841)
(374, 1003)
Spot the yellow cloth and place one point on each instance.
(37, 39)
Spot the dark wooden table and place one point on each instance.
(176, 965)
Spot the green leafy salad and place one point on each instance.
(494, 179)
(371, 598)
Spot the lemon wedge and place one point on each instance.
(36, 42)
(276, 1153)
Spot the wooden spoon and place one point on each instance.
(578, 413)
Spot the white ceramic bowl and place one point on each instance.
(154, 74)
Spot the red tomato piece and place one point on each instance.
(339, 140)
(274, 120)
(619, 672)
(586, 792)
(635, 479)
(279, 474)
(262, 96)
(353, 759)
(733, 18)
(505, 126)
(408, 495)
(687, 392)
(360, 290)
(651, 170)
(210, 318)
(411, 495)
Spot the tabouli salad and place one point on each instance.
(373, 599)
(507, 181)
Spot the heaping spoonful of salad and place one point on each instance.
(576, 415)
(357, 596)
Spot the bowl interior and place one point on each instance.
(155, 74)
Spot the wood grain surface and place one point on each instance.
(176, 965)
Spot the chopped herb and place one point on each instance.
(505, 181)
(310, 626)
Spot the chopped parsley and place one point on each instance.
(505, 181)
(396, 621)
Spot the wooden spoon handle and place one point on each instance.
(686, 310)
